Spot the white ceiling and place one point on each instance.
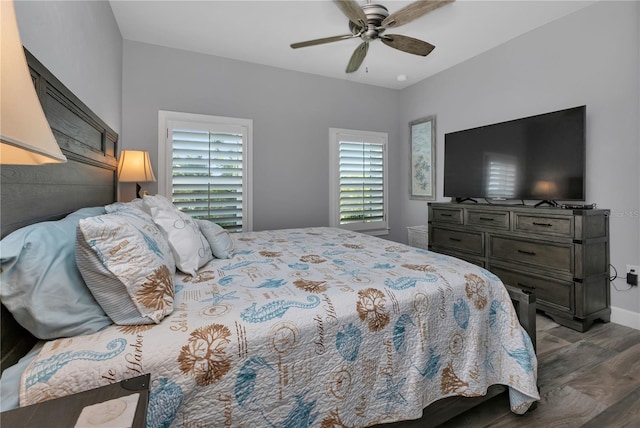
(260, 31)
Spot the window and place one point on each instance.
(358, 180)
(205, 164)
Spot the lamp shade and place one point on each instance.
(25, 135)
(135, 165)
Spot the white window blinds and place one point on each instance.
(207, 166)
(361, 181)
(207, 176)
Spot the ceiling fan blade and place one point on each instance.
(353, 11)
(322, 41)
(413, 11)
(407, 44)
(357, 57)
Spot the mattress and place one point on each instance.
(308, 327)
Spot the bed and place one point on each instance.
(298, 327)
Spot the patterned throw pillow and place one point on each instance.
(219, 239)
(128, 266)
(190, 249)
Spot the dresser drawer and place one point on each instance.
(554, 293)
(447, 215)
(541, 254)
(497, 220)
(466, 241)
(547, 225)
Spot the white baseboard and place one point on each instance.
(625, 317)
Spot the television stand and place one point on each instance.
(550, 203)
(559, 255)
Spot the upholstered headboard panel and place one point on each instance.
(30, 194)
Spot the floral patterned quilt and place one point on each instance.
(308, 327)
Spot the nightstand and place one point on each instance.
(64, 411)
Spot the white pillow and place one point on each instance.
(219, 239)
(190, 248)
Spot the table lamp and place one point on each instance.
(135, 166)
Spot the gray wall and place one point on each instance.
(80, 43)
(291, 112)
(590, 57)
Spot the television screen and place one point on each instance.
(540, 157)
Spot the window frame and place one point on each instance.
(165, 169)
(372, 137)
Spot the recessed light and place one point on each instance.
(402, 77)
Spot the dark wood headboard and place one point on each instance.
(31, 194)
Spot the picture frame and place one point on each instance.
(422, 137)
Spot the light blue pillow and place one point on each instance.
(133, 206)
(128, 266)
(41, 283)
(219, 239)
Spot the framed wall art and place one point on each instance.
(422, 137)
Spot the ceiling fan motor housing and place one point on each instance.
(376, 13)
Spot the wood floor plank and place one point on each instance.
(615, 337)
(547, 343)
(544, 323)
(558, 368)
(612, 380)
(568, 334)
(623, 414)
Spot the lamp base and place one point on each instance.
(138, 188)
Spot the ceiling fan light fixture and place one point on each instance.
(369, 21)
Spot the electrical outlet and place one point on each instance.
(633, 272)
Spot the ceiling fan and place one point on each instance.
(370, 21)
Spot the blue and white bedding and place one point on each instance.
(308, 327)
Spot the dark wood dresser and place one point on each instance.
(560, 255)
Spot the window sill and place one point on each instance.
(376, 232)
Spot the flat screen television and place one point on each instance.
(539, 157)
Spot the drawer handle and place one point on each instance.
(455, 239)
(487, 219)
(529, 253)
(542, 224)
(446, 215)
(526, 285)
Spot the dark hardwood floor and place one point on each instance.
(588, 380)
